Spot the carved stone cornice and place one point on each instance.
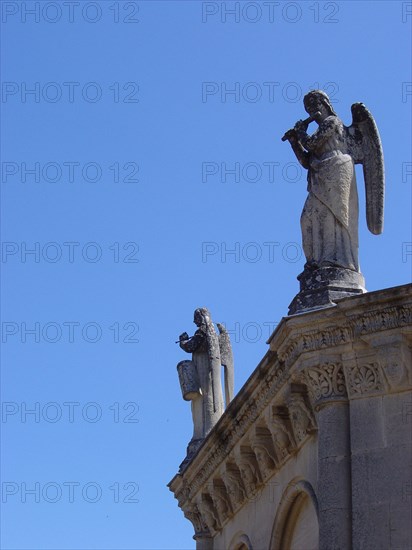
(315, 340)
(343, 326)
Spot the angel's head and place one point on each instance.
(201, 316)
(317, 100)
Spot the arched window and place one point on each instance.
(240, 542)
(296, 524)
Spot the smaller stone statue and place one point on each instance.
(200, 378)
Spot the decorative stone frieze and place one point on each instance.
(381, 319)
(314, 340)
(349, 329)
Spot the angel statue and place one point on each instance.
(200, 378)
(329, 220)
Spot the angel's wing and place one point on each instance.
(226, 357)
(364, 145)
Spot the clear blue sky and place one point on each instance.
(115, 101)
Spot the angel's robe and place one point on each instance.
(208, 407)
(329, 219)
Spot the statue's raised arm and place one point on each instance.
(329, 220)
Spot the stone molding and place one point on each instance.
(348, 331)
(273, 415)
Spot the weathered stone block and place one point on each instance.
(397, 415)
(371, 527)
(367, 429)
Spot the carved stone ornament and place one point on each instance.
(234, 485)
(395, 359)
(247, 464)
(364, 379)
(263, 447)
(265, 461)
(326, 383)
(217, 491)
(282, 436)
(208, 513)
(301, 417)
(194, 516)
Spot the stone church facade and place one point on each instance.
(315, 451)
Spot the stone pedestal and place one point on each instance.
(322, 287)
